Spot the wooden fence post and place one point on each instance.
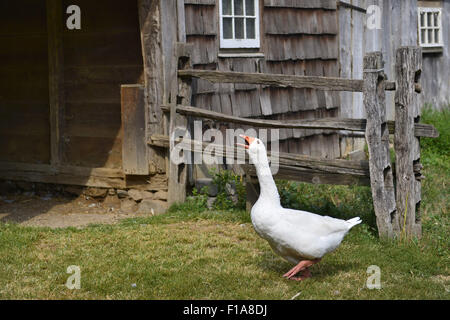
(377, 137)
(178, 172)
(407, 145)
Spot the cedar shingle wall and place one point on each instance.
(299, 37)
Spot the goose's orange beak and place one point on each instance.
(247, 139)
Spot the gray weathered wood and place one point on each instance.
(152, 51)
(301, 162)
(134, 149)
(421, 130)
(56, 78)
(281, 80)
(377, 137)
(276, 80)
(178, 173)
(407, 146)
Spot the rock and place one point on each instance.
(122, 194)
(153, 207)
(212, 188)
(149, 195)
(111, 192)
(235, 199)
(210, 202)
(128, 206)
(111, 201)
(231, 189)
(160, 195)
(96, 192)
(136, 195)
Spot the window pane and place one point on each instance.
(430, 19)
(249, 7)
(430, 36)
(239, 28)
(423, 34)
(228, 28)
(250, 23)
(436, 19)
(422, 19)
(238, 7)
(226, 7)
(436, 36)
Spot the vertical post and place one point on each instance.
(178, 172)
(407, 145)
(152, 32)
(56, 78)
(377, 137)
(134, 147)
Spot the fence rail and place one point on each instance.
(282, 80)
(359, 125)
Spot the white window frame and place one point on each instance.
(240, 43)
(424, 42)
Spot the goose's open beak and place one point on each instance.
(249, 141)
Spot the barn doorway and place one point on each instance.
(60, 103)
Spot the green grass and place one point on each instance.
(197, 254)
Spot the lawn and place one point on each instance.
(195, 254)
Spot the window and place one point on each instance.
(239, 24)
(430, 27)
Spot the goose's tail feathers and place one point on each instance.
(353, 222)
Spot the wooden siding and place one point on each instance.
(297, 38)
(24, 102)
(435, 75)
(104, 54)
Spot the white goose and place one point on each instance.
(300, 237)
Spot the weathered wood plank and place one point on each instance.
(407, 146)
(178, 171)
(276, 80)
(421, 130)
(152, 51)
(377, 137)
(310, 176)
(280, 80)
(56, 78)
(71, 175)
(134, 149)
(344, 167)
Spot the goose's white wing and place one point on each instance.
(320, 226)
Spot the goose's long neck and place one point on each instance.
(269, 191)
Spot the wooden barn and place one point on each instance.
(84, 83)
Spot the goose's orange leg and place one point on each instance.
(302, 266)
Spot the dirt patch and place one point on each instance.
(60, 211)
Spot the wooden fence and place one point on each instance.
(396, 190)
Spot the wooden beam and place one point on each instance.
(56, 78)
(280, 80)
(152, 52)
(377, 137)
(314, 177)
(178, 172)
(276, 80)
(346, 167)
(407, 146)
(421, 130)
(134, 147)
(69, 175)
